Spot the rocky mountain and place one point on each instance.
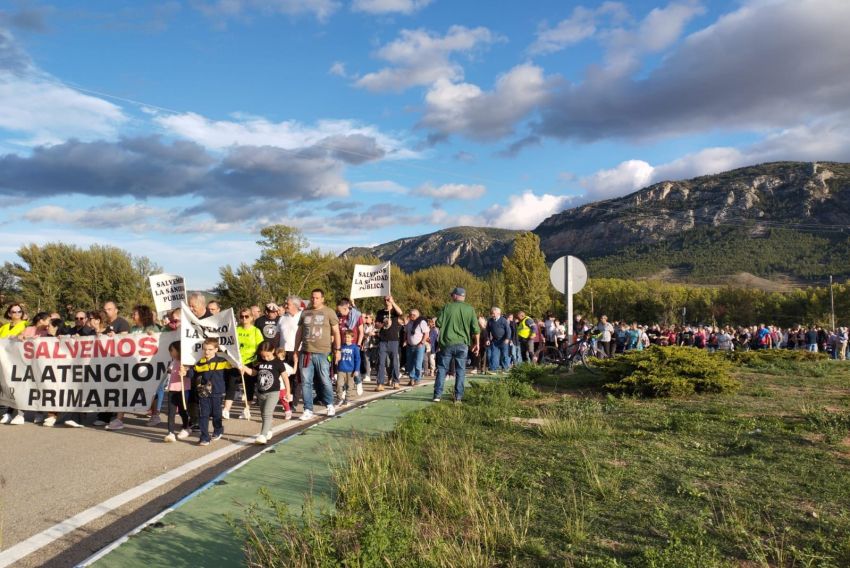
(477, 249)
(784, 218)
(786, 195)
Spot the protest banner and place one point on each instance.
(83, 374)
(193, 331)
(169, 291)
(370, 280)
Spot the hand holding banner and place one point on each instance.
(193, 331)
(169, 291)
(370, 280)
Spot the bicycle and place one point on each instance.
(569, 356)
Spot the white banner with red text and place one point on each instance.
(84, 374)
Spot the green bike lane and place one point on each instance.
(197, 532)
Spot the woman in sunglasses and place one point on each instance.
(250, 337)
(13, 328)
(16, 324)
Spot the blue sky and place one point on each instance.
(177, 130)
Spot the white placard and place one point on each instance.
(168, 290)
(370, 280)
(193, 331)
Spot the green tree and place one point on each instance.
(287, 265)
(56, 276)
(9, 284)
(242, 287)
(526, 276)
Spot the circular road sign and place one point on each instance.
(578, 274)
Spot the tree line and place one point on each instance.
(61, 276)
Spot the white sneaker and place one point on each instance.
(306, 415)
(436, 399)
(225, 415)
(39, 418)
(246, 414)
(260, 440)
(216, 437)
(367, 379)
(359, 389)
(49, 422)
(170, 437)
(154, 419)
(288, 415)
(183, 434)
(331, 410)
(115, 425)
(17, 420)
(73, 424)
(98, 423)
(6, 418)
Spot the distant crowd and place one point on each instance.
(303, 351)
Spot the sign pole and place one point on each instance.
(831, 303)
(568, 299)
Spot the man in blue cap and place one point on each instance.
(458, 325)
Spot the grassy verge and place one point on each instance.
(564, 475)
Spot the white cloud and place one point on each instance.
(338, 69)
(620, 180)
(356, 142)
(524, 211)
(41, 110)
(380, 186)
(826, 139)
(656, 32)
(464, 108)
(389, 6)
(451, 191)
(419, 57)
(578, 27)
(321, 9)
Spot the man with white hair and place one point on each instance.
(498, 340)
(198, 305)
(416, 333)
(288, 323)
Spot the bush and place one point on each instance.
(528, 373)
(765, 357)
(668, 371)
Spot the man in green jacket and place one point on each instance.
(458, 325)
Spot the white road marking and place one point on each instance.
(59, 530)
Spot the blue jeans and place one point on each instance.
(388, 348)
(415, 359)
(318, 366)
(499, 355)
(210, 406)
(446, 355)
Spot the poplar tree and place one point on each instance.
(526, 276)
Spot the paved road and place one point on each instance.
(51, 475)
(199, 532)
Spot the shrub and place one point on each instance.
(764, 357)
(528, 373)
(668, 371)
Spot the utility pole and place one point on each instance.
(831, 303)
(592, 313)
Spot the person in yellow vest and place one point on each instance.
(17, 322)
(14, 327)
(526, 330)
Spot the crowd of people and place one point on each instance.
(302, 352)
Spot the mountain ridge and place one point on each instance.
(800, 207)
